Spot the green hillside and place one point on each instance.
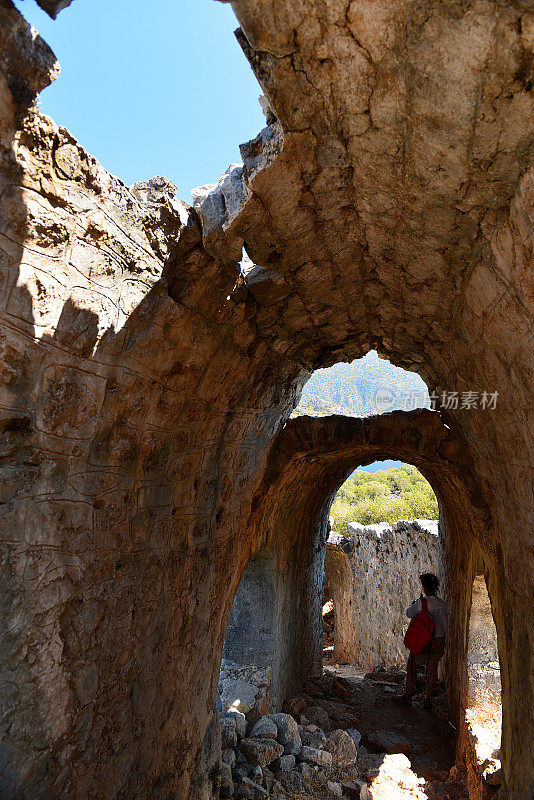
(369, 385)
(383, 496)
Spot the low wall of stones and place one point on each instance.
(372, 576)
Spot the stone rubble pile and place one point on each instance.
(310, 750)
(276, 756)
(244, 688)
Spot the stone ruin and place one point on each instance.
(483, 718)
(372, 576)
(149, 372)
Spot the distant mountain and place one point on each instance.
(367, 386)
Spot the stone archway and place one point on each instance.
(310, 459)
(145, 378)
(338, 577)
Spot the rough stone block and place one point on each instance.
(342, 748)
(284, 764)
(264, 728)
(319, 717)
(355, 735)
(295, 706)
(261, 752)
(315, 739)
(292, 749)
(319, 757)
(292, 781)
(228, 732)
(227, 783)
(334, 788)
(288, 731)
(352, 788)
(248, 790)
(229, 757)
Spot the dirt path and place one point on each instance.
(354, 700)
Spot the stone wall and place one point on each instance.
(483, 655)
(481, 727)
(385, 563)
(124, 473)
(250, 636)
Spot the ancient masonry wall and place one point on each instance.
(373, 577)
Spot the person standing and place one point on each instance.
(433, 652)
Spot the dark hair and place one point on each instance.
(429, 581)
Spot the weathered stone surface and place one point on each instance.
(319, 757)
(261, 752)
(244, 688)
(264, 728)
(248, 790)
(227, 783)
(295, 707)
(292, 781)
(342, 748)
(228, 757)
(28, 63)
(240, 723)
(53, 7)
(370, 618)
(217, 205)
(288, 730)
(284, 764)
(292, 749)
(315, 739)
(355, 735)
(228, 732)
(250, 635)
(319, 717)
(334, 788)
(353, 788)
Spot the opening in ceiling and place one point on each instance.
(165, 93)
(369, 385)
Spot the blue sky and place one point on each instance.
(164, 94)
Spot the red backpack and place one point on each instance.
(420, 631)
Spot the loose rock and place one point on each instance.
(228, 732)
(318, 716)
(295, 706)
(292, 749)
(355, 736)
(292, 781)
(315, 739)
(342, 748)
(264, 728)
(248, 790)
(261, 752)
(229, 757)
(288, 731)
(334, 788)
(352, 788)
(320, 757)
